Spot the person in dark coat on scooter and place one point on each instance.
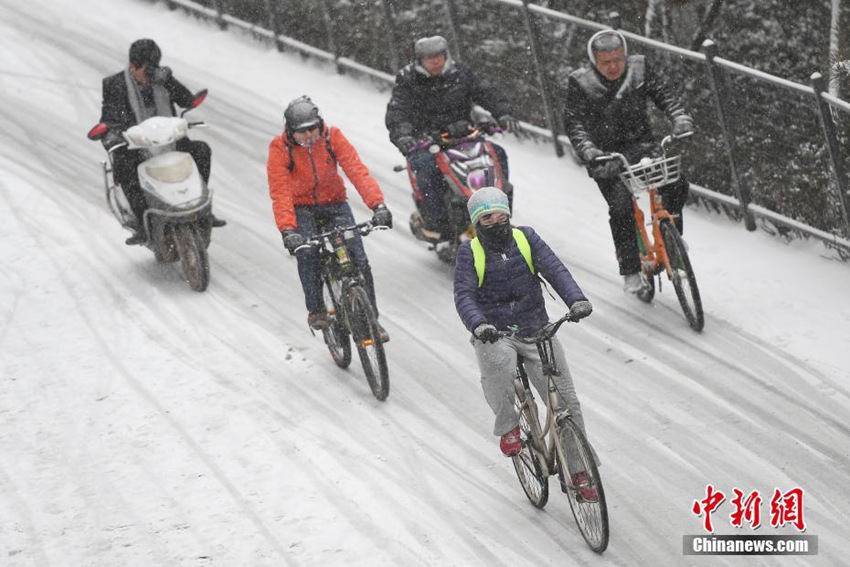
(142, 90)
(435, 93)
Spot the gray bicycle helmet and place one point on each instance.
(301, 113)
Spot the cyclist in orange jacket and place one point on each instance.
(308, 192)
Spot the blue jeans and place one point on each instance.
(311, 220)
(433, 186)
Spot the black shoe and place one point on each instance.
(216, 222)
(383, 334)
(137, 238)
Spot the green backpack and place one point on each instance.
(480, 258)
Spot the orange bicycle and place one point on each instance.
(665, 252)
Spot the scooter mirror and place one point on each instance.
(200, 96)
(98, 131)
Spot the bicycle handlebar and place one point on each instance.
(547, 332)
(362, 228)
(666, 141)
(442, 139)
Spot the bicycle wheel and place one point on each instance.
(528, 464)
(581, 483)
(336, 335)
(364, 328)
(684, 280)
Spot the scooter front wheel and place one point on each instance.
(193, 255)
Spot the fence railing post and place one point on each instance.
(389, 18)
(831, 134)
(219, 15)
(451, 16)
(540, 69)
(274, 23)
(333, 44)
(715, 79)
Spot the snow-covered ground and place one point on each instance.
(142, 423)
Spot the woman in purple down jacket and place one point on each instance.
(511, 297)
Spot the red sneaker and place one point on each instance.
(510, 443)
(586, 491)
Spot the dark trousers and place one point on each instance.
(311, 220)
(125, 164)
(433, 186)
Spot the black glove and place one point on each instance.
(382, 216)
(292, 240)
(406, 144)
(589, 154)
(682, 126)
(509, 123)
(160, 74)
(580, 310)
(605, 170)
(459, 129)
(486, 333)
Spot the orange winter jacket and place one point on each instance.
(313, 178)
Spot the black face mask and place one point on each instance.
(495, 235)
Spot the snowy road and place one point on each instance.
(142, 423)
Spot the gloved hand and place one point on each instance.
(509, 123)
(486, 333)
(382, 216)
(406, 144)
(160, 74)
(605, 170)
(683, 125)
(590, 154)
(112, 139)
(459, 129)
(580, 310)
(292, 240)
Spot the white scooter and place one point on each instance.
(178, 220)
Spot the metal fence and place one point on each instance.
(780, 166)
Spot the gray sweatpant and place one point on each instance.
(497, 363)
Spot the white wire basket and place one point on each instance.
(652, 173)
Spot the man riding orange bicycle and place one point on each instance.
(606, 111)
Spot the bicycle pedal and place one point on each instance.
(562, 416)
(367, 343)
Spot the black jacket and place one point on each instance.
(613, 116)
(117, 112)
(421, 105)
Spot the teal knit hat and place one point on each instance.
(485, 201)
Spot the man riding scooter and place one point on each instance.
(142, 90)
(433, 94)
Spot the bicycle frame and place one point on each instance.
(546, 451)
(648, 176)
(336, 261)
